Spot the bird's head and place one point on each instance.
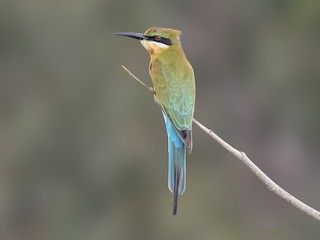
(156, 39)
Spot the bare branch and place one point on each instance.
(271, 185)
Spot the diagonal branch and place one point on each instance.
(271, 185)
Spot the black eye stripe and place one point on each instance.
(160, 39)
(166, 41)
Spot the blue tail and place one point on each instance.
(176, 163)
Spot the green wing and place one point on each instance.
(174, 84)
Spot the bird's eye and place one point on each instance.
(157, 38)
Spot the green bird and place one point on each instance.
(175, 91)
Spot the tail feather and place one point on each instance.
(176, 163)
(176, 190)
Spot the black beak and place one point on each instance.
(135, 35)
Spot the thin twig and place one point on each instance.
(271, 185)
(138, 80)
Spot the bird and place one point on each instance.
(174, 86)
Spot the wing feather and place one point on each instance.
(175, 92)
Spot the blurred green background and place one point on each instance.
(83, 148)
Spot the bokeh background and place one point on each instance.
(83, 148)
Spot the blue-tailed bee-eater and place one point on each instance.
(175, 91)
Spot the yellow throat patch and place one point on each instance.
(154, 48)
